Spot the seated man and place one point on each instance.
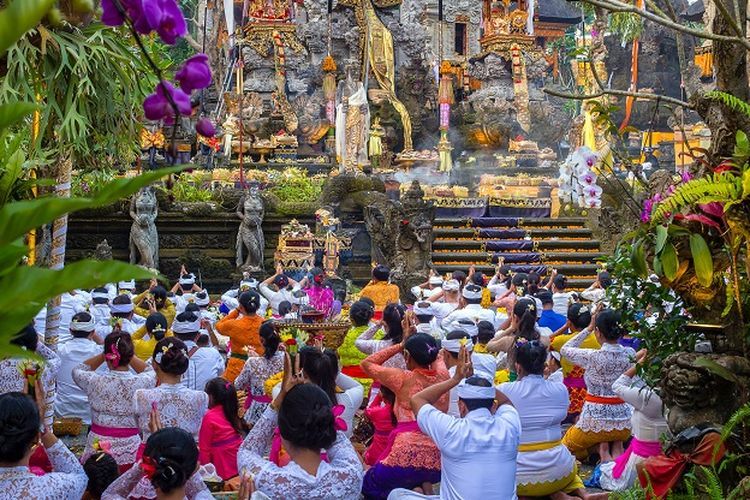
(204, 363)
(471, 301)
(478, 450)
(549, 318)
(381, 291)
(277, 289)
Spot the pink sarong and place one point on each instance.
(643, 449)
(252, 397)
(115, 432)
(401, 427)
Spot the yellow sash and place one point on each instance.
(546, 445)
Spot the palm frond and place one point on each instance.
(724, 187)
(730, 101)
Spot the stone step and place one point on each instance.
(542, 245)
(575, 281)
(487, 258)
(585, 270)
(523, 222)
(536, 234)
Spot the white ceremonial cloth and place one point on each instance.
(71, 400)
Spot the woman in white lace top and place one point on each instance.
(110, 395)
(12, 378)
(307, 425)
(19, 433)
(257, 370)
(605, 417)
(175, 404)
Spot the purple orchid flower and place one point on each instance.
(111, 15)
(194, 74)
(166, 18)
(205, 128)
(157, 105)
(686, 176)
(648, 207)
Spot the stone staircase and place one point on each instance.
(527, 245)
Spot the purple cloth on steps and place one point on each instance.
(494, 222)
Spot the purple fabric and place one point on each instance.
(381, 479)
(504, 245)
(502, 234)
(320, 298)
(453, 212)
(540, 270)
(517, 257)
(495, 211)
(494, 222)
(631, 342)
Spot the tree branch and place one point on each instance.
(728, 18)
(626, 93)
(617, 6)
(193, 42)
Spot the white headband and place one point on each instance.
(454, 345)
(186, 326)
(423, 310)
(202, 302)
(127, 285)
(121, 308)
(99, 295)
(83, 326)
(555, 354)
(435, 280)
(187, 279)
(248, 284)
(468, 391)
(470, 328)
(451, 286)
(472, 294)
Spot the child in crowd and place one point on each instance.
(222, 431)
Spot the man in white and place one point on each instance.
(478, 450)
(125, 287)
(446, 302)
(71, 400)
(283, 288)
(229, 298)
(100, 310)
(484, 365)
(187, 288)
(70, 303)
(471, 299)
(205, 362)
(428, 289)
(426, 317)
(121, 310)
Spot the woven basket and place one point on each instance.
(67, 426)
(333, 333)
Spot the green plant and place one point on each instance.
(186, 190)
(628, 25)
(91, 183)
(732, 102)
(295, 185)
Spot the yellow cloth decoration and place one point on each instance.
(559, 341)
(588, 133)
(545, 445)
(502, 376)
(568, 484)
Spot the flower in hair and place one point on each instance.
(463, 341)
(113, 356)
(148, 466)
(531, 307)
(339, 422)
(521, 341)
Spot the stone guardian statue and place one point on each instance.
(250, 233)
(144, 239)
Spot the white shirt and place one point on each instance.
(442, 310)
(472, 312)
(425, 293)
(482, 363)
(67, 481)
(276, 297)
(71, 400)
(561, 301)
(229, 298)
(205, 363)
(478, 452)
(496, 286)
(69, 306)
(101, 315)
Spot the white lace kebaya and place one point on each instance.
(67, 481)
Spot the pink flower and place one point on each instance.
(205, 128)
(590, 161)
(339, 422)
(194, 74)
(166, 18)
(592, 191)
(686, 176)
(588, 178)
(158, 107)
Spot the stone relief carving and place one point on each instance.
(250, 234)
(144, 239)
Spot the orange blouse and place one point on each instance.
(242, 332)
(381, 293)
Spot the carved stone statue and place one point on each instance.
(103, 251)
(352, 125)
(250, 234)
(381, 218)
(144, 240)
(414, 239)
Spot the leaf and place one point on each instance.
(715, 368)
(702, 219)
(657, 266)
(17, 218)
(18, 18)
(14, 112)
(638, 259)
(669, 261)
(746, 183)
(661, 237)
(702, 260)
(12, 172)
(742, 145)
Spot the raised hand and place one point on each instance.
(247, 486)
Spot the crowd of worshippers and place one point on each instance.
(495, 387)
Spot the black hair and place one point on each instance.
(475, 404)
(175, 455)
(381, 273)
(121, 342)
(544, 296)
(579, 319)
(560, 282)
(422, 348)
(478, 279)
(506, 270)
(459, 276)
(192, 307)
(100, 300)
(222, 392)
(121, 300)
(389, 397)
(306, 418)
(525, 311)
(360, 313)
(250, 301)
(605, 280)
(486, 331)
(321, 368)
(393, 314)
(532, 356)
(609, 324)
(285, 307)
(203, 340)
(318, 276)
(27, 338)
(102, 470)
(160, 296)
(82, 317)
(156, 325)
(456, 335)
(186, 288)
(174, 356)
(533, 283)
(473, 288)
(519, 278)
(201, 295)
(281, 281)
(368, 300)
(19, 425)
(269, 338)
